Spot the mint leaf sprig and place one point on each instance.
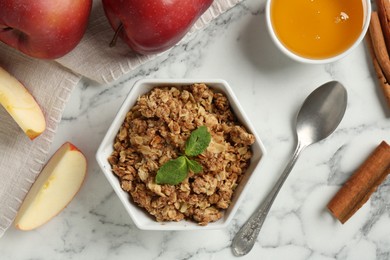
(175, 171)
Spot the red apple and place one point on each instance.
(151, 26)
(46, 29)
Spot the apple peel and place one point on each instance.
(151, 27)
(44, 29)
(55, 187)
(21, 105)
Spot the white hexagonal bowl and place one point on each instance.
(140, 217)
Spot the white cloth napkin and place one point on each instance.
(20, 158)
(107, 64)
(51, 83)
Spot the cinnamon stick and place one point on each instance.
(383, 7)
(379, 45)
(385, 86)
(359, 187)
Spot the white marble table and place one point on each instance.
(271, 88)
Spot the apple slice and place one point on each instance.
(55, 187)
(19, 103)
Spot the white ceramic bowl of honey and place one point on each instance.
(317, 31)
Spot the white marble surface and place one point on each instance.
(271, 88)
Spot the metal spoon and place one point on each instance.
(318, 117)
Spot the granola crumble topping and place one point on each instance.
(155, 130)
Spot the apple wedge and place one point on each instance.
(19, 103)
(55, 187)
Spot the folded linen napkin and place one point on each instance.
(107, 64)
(20, 158)
(51, 83)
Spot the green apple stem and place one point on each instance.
(113, 41)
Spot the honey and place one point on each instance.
(317, 29)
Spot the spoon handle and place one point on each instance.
(245, 238)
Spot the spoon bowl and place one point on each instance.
(319, 116)
(321, 112)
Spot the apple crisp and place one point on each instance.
(155, 131)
